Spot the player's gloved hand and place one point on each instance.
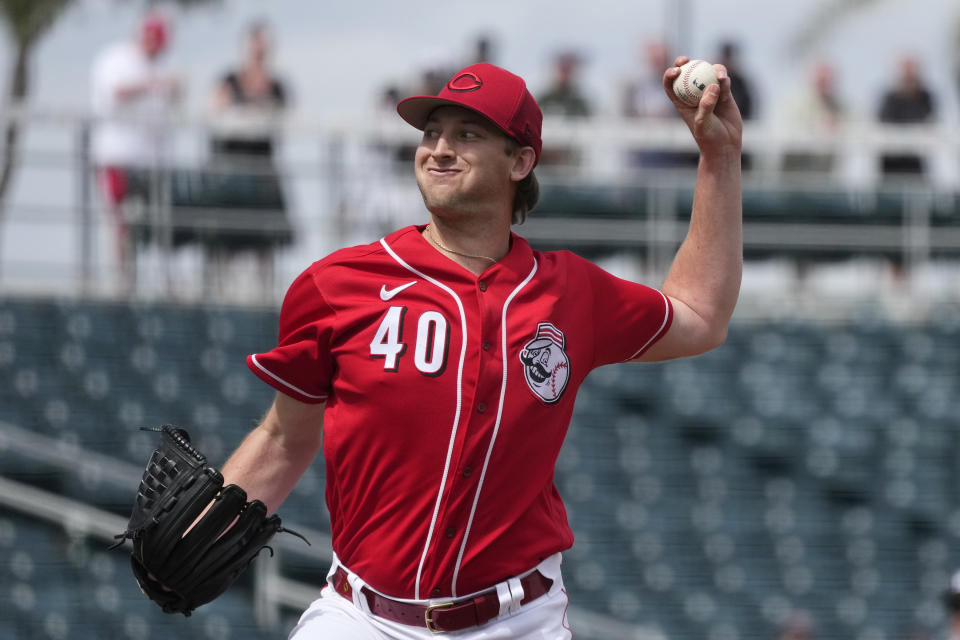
(179, 567)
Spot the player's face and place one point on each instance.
(462, 164)
(539, 362)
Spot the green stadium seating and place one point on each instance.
(799, 466)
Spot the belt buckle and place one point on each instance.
(429, 620)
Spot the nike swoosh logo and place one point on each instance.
(387, 294)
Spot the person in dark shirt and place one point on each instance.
(729, 56)
(241, 186)
(951, 600)
(908, 102)
(564, 97)
(253, 90)
(739, 85)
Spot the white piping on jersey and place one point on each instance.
(456, 418)
(496, 426)
(284, 382)
(666, 316)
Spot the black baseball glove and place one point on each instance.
(181, 571)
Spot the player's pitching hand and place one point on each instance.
(715, 123)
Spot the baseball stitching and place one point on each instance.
(553, 377)
(686, 80)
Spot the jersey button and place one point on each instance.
(486, 345)
(483, 285)
(482, 407)
(450, 532)
(435, 592)
(467, 472)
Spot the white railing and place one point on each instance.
(343, 185)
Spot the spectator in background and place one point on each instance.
(389, 97)
(253, 94)
(951, 600)
(482, 51)
(729, 56)
(643, 97)
(248, 105)
(797, 626)
(643, 94)
(132, 96)
(564, 97)
(434, 72)
(908, 102)
(818, 110)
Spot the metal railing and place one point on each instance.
(350, 182)
(272, 591)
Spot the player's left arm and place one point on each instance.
(273, 456)
(704, 281)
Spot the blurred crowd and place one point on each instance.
(134, 93)
(817, 107)
(134, 96)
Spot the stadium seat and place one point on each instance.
(799, 466)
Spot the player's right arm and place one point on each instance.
(271, 459)
(704, 281)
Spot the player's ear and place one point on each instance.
(523, 161)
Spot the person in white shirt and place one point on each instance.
(132, 95)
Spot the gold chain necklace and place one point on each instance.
(434, 240)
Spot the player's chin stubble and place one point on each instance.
(443, 200)
(446, 200)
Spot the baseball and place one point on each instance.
(693, 80)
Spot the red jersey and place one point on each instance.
(448, 398)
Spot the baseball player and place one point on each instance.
(439, 367)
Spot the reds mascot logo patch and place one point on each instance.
(546, 366)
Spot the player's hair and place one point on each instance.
(528, 189)
(528, 193)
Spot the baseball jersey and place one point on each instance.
(448, 396)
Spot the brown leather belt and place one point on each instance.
(445, 616)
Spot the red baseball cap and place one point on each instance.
(155, 26)
(495, 93)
